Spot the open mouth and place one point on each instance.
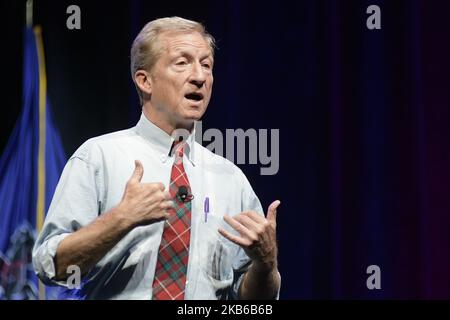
(194, 96)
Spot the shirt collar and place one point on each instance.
(162, 142)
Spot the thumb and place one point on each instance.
(138, 171)
(272, 211)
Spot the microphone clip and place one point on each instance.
(184, 194)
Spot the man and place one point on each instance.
(148, 213)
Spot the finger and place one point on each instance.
(167, 205)
(272, 211)
(240, 228)
(167, 195)
(255, 216)
(166, 213)
(233, 238)
(154, 186)
(247, 222)
(138, 171)
(159, 186)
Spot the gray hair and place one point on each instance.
(144, 51)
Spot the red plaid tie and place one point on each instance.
(171, 268)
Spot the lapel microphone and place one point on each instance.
(183, 194)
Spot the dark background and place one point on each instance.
(364, 119)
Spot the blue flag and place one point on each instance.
(29, 171)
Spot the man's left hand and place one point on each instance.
(257, 235)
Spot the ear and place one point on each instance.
(143, 81)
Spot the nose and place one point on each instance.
(198, 76)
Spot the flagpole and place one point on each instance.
(40, 205)
(41, 155)
(40, 210)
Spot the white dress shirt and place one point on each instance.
(93, 182)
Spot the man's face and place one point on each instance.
(181, 78)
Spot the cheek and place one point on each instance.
(173, 91)
(209, 84)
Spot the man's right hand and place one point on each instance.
(143, 203)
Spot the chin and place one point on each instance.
(187, 119)
(194, 114)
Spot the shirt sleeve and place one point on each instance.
(242, 262)
(75, 204)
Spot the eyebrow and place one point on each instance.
(203, 57)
